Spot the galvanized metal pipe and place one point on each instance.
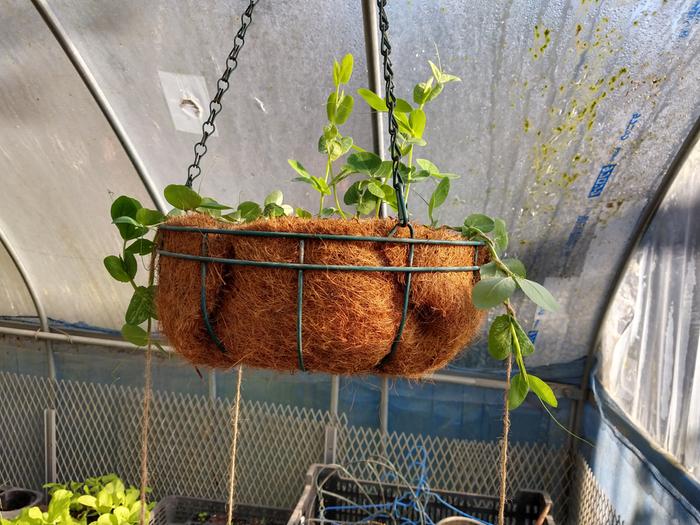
(98, 95)
(335, 393)
(69, 338)
(50, 445)
(34, 296)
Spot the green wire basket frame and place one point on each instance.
(204, 259)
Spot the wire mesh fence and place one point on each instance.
(98, 429)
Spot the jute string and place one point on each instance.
(145, 417)
(147, 392)
(235, 411)
(504, 445)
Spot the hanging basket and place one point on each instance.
(326, 295)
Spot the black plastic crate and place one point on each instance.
(524, 509)
(182, 510)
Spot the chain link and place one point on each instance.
(222, 85)
(394, 150)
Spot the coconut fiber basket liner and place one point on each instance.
(326, 295)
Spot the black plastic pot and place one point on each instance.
(182, 510)
(13, 500)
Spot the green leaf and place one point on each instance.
(446, 77)
(500, 337)
(288, 210)
(440, 76)
(320, 185)
(415, 141)
(249, 211)
(375, 189)
(124, 206)
(422, 91)
(352, 195)
(438, 197)
(87, 501)
(372, 99)
(364, 162)
(434, 92)
(135, 334)
(107, 519)
(130, 265)
(141, 306)
(368, 204)
(390, 196)
(149, 217)
(516, 266)
(140, 247)
(418, 176)
(346, 144)
(344, 109)
(518, 391)
(331, 106)
(182, 197)
(428, 166)
(299, 168)
(491, 292)
(538, 294)
(127, 220)
(404, 125)
(492, 270)
(402, 106)
(542, 390)
(345, 69)
(417, 122)
(500, 235)
(526, 346)
(336, 73)
(302, 213)
(115, 267)
(480, 221)
(276, 197)
(437, 74)
(327, 212)
(273, 210)
(210, 204)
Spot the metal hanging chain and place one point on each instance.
(397, 179)
(222, 85)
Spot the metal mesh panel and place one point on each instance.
(23, 401)
(590, 505)
(463, 466)
(98, 429)
(189, 449)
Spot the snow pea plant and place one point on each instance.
(366, 178)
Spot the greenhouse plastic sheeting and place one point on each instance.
(567, 117)
(650, 362)
(14, 295)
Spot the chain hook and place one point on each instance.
(397, 178)
(222, 85)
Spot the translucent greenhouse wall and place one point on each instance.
(567, 120)
(648, 381)
(567, 117)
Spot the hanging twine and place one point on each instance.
(145, 416)
(235, 410)
(504, 445)
(147, 394)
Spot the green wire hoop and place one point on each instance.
(205, 259)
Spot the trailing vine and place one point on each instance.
(367, 178)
